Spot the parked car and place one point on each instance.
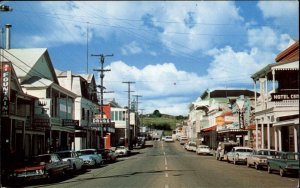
(41, 167)
(183, 140)
(203, 150)
(285, 163)
(238, 155)
(223, 148)
(258, 158)
(122, 151)
(90, 157)
(191, 146)
(169, 139)
(108, 155)
(72, 157)
(163, 138)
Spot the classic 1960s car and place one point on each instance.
(238, 154)
(285, 163)
(41, 166)
(258, 158)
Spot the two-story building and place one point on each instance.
(277, 108)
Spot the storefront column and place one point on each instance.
(268, 135)
(256, 135)
(295, 139)
(262, 136)
(279, 139)
(273, 81)
(276, 138)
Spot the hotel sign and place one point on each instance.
(5, 92)
(284, 96)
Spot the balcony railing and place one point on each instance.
(276, 104)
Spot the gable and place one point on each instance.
(31, 62)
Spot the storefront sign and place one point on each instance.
(220, 120)
(284, 96)
(5, 92)
(70, 122)
(41, 123)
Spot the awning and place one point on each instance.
(212, 128)
(251, 127)
(287, 122)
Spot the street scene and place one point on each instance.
(149, 94)
(168, 164)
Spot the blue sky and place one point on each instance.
(172, 50)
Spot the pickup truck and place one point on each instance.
(224, 148)
(285, 163)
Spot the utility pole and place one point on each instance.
(102, 58)
(137, 113)
(142, 111)
(128, 119)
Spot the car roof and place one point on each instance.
(239, 147)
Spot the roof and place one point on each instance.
(37, 82)
(25, 62)
(227, 93)
(290, 54)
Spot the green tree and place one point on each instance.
(156, 113)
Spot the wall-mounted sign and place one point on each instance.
(5, 92)
(220, 120)
(41, 123)
(70, 122)
(284, 96)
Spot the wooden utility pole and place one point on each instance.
(102, 58)
(128, 119)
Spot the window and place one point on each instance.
(120, 115)
(88, 115)
(82, 114)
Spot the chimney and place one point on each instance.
(7, 26)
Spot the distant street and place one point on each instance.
(163, 165)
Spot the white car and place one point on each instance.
(191, 146)
(239, 154)
(169, 139)
(203, 150)
(71, 157)
(121, 151)
(183, 140)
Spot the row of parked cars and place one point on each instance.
(47, 166)
(272, 160)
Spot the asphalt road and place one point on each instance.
(168, 165)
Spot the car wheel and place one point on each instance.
(256, 166)
(74, 168)
(281, 172)
(269, 169)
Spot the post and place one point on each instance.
(137, 114)
(102, 58)
(128, 119)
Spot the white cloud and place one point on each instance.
(131, 48)
(265, 38)
(282, 11)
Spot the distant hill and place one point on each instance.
(165, 122)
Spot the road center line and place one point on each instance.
(166, 163)
(166, 168)
(166, 186)
(167, 175)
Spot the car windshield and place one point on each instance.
(192, 144)
(121, 147)
(205, 147)
(64, 154)
(266, 152)
(42, 158)
(86, 152)
(243, 150)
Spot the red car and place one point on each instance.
(41, 167)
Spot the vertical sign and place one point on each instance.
(5, 83)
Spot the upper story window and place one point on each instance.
(83, 114)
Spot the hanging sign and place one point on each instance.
(5, 92)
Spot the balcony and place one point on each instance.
(277, 104)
